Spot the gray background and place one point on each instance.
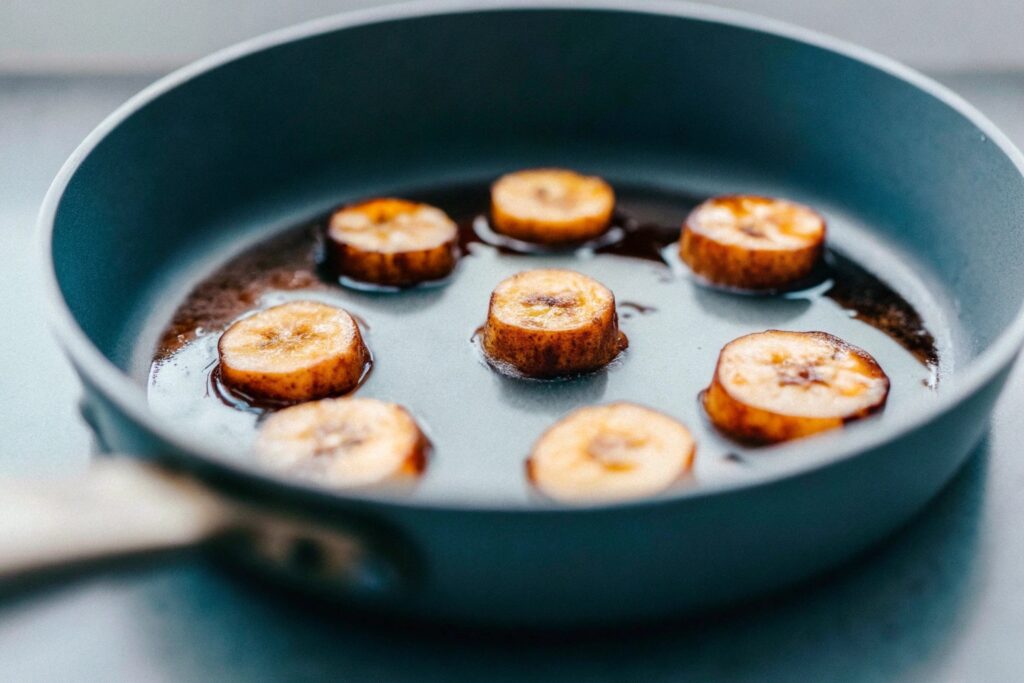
(943, 600)
(129, 35)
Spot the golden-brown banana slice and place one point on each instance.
(392, 242)
(610, 452)
(344, 442)
(545, 323)
(752, 242)
(773, 386)
(297, 351)
(551, 205)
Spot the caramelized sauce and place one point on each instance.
(291, 261)
(239, 400)
(633, 307)
(734, 458)
(866, 296)
(645, 228)
(283, 262)
(872, 301)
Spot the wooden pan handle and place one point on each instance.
(125, 509)
(121, 508)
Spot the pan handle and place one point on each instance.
(121, 508)
(126, 508)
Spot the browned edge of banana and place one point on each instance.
(332, 375)
(516, 349)
(524, 208)
(416, 464)
(748, 267)
(757, 426)
(399, 267)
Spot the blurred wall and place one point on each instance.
(147, 35)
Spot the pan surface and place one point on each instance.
(668, 103)
(481, 422)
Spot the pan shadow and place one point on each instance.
(749, 309)
(888, 614)
(411, 300)
(553, 396)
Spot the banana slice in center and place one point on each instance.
(344, 443)
(752, 242)
(392, 242)
(610, 452)
(293, 352)
(551, 322)
(774, 385)
(551, 205)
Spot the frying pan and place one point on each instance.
(274, 130)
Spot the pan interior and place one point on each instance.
(913, 187)
(482, 423)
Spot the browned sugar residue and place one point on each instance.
(875, 303)
(239, 400)
(284, 262)
(290, 261)
(632, 306)
(854, 288)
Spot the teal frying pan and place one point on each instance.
(671, 103)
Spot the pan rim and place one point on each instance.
(794, 459)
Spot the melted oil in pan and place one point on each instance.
(482, 423)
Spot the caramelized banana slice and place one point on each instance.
(610, 452)
(752, 242)
(293, 352)
(545, 323)
(773, 386)
(344, 442)
(392, 242)
(550, 205)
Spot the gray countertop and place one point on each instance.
(942, 600)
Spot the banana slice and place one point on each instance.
(773, 386)
(392, 242)
(550, 205)
(752, 242)
(344, 442)
(610, 452)
(293, 352)
(545, 323)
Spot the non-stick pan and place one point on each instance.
(681, 100)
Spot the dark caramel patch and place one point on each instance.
(284, 262)
(874, 302)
